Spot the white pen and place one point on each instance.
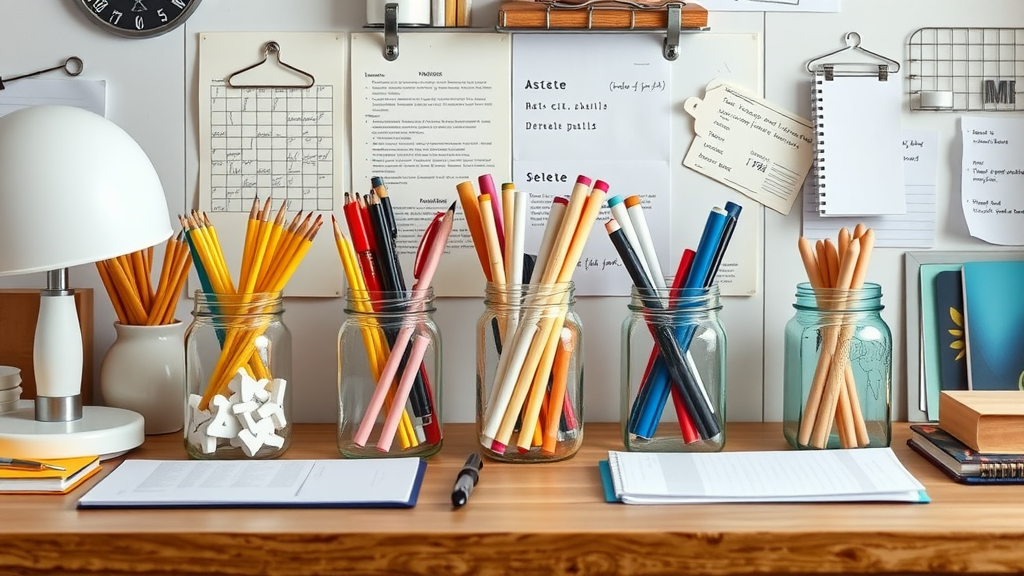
(29, 464)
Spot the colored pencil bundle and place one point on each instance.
(670, 369)
(270, 256)
(127, 280)
(834, 269)
(395, 354)
(534, 348)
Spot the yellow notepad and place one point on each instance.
(75, 471)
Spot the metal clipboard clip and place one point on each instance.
(268, 49)
(881, 66)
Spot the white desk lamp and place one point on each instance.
(74, 189)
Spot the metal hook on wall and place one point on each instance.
(73, 66)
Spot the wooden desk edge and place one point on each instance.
(970, 546)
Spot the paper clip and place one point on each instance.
(72, 66)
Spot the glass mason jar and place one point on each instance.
(673, 372)
(529, 373)
(389, 375)
(238, 369)
(837, 376)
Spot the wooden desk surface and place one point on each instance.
(525, 519)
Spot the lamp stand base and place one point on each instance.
(103, 431)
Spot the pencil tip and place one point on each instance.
(452, 207)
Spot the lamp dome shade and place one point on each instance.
(74, 189)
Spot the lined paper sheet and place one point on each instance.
(857, 122)
(916, 228)
(88, 94)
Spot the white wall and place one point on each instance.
(150, 90)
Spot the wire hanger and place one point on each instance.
(853, 44)
(72, 66)
(268, 48)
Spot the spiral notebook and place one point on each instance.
(859, 144)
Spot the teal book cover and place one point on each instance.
(994, 324)
(949, 317)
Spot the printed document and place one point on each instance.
(383, 483)
(437, 116)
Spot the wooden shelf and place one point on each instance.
(524, 519)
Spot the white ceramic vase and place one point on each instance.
(144, 371)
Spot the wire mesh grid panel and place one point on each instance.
(965, 69)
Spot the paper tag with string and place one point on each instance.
(749, 144)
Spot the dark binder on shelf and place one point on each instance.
(856, 109)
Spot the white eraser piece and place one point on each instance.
(262, 391)
(273, 440)
(278, 418)
(250, 443)
(241, 407)
(247, 421)
(235, 385)
(223, 424)
(277, 390)
(267, 409)
(265, 427)
(197, 416)
(249, 388)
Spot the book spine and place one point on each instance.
(818, 118)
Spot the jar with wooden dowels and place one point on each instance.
(837, 382)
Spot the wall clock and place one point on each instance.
(138, 18)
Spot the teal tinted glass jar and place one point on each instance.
(837, 375)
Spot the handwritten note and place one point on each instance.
(605, 116)
(992, 176)
(915, 228)
(750, 145)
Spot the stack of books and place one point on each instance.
(979, 439)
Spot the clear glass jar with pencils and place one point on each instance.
(389, 376)
(530, 373)
(238, 365)
(673, 370)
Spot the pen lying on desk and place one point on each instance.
(28, 464)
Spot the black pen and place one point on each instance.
(466, 480)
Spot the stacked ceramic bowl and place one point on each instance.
(10, 388)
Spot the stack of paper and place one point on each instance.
(856, 475)
(384, 483)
